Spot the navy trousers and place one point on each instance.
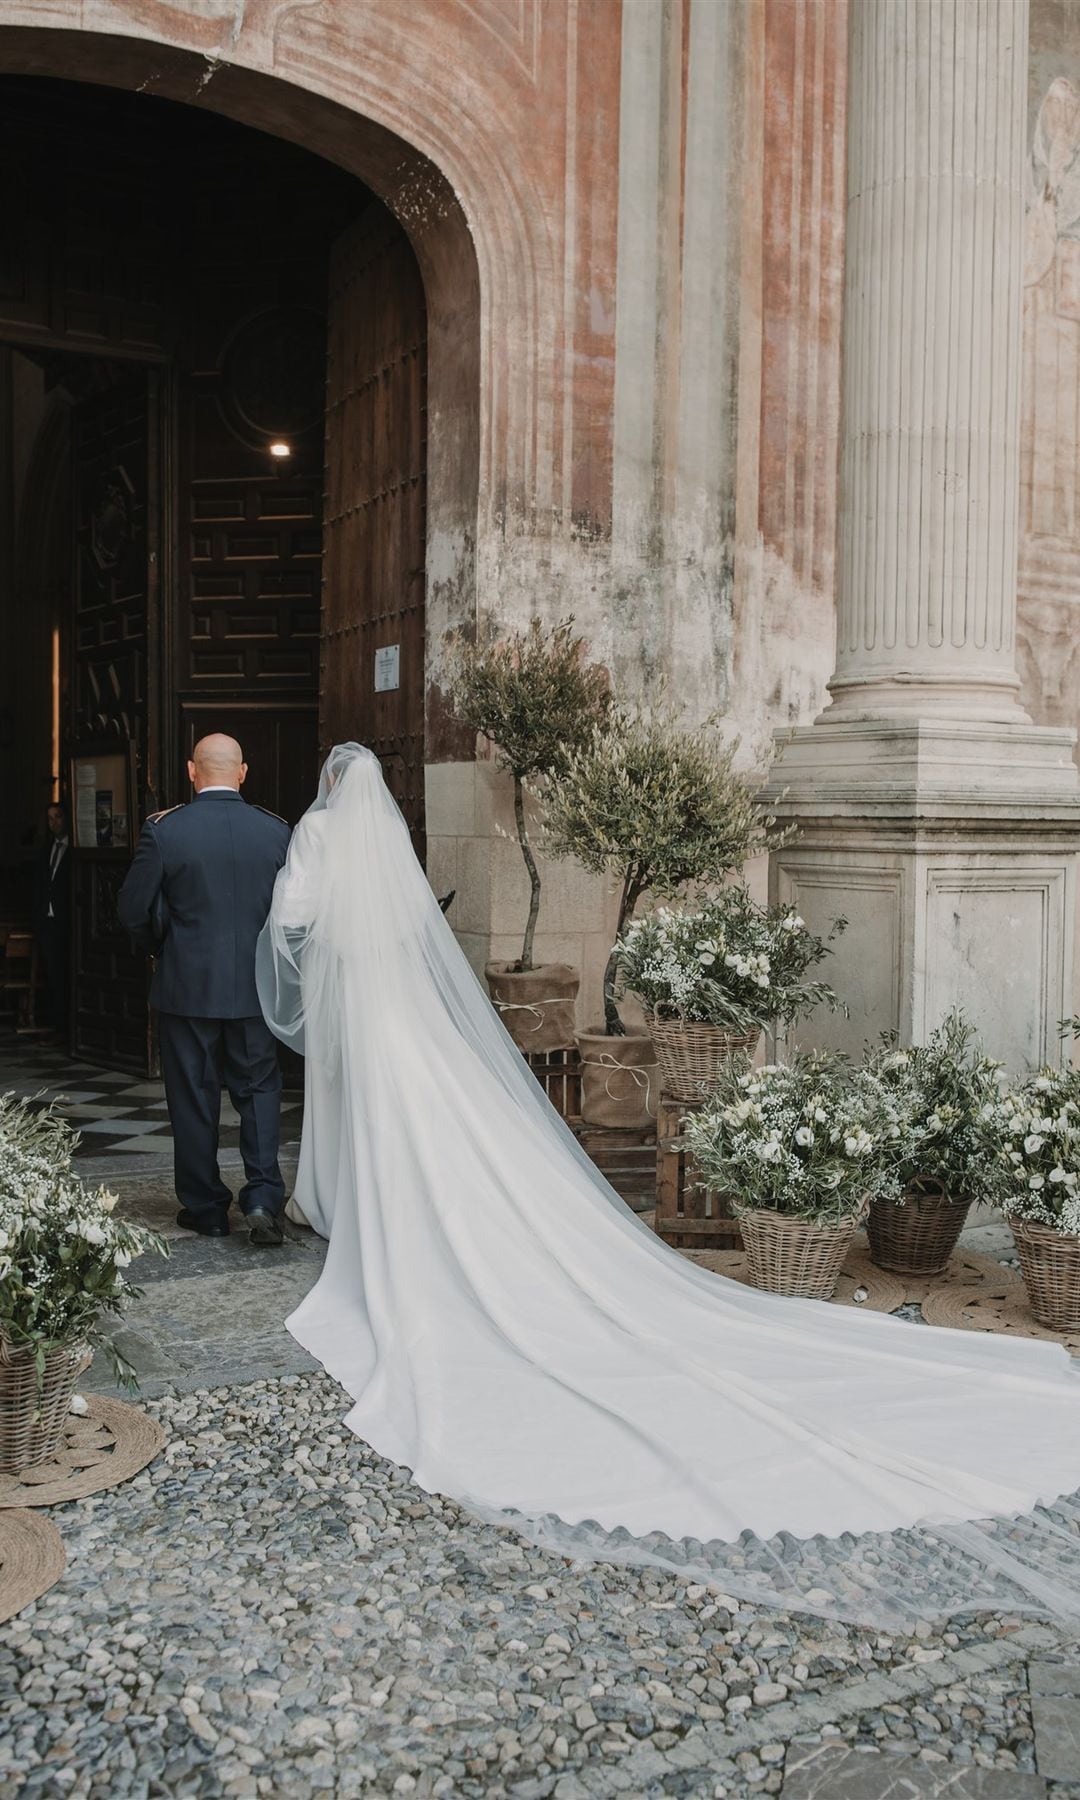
(198, 1056)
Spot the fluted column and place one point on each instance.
(931, 359)
(932, 813)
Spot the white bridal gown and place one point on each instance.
(511, 1333)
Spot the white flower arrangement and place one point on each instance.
(942, 1096)
(62, 1249)
(1037, 1127)
(804, 1138)
(730, 963)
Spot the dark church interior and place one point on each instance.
(165, 279)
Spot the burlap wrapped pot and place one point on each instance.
(620, 1084)
(535, 1005)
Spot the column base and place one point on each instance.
(951, 848)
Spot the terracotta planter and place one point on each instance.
(1050, 1265)
(693, 1058)
(535, 1005)
(915, 1236)
(798, 1257)
(620, 1084)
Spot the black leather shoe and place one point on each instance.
(205, 1227)
(263, 1228)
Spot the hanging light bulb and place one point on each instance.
(280, 449)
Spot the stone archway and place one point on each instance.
(423, 201)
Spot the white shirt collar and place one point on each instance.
(219, 788)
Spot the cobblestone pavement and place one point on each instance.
(270, 1609)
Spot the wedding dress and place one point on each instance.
(512, 1334)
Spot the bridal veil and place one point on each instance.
(510, 1332)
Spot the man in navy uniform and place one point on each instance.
(196, 897)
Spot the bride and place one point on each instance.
(511, 1332)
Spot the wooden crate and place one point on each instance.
(626, 1158)
(687, 1217)
(559, 1074)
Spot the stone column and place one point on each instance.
(931, 358)
(932, 813)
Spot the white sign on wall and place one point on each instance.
(387, 668)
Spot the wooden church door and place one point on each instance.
(371, 671)
(116, 509)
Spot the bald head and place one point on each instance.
(216, 761)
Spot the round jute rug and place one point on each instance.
(991, 1306)
(110, 1443)
(965, 1268)
(32, 1560)
(878, 1291)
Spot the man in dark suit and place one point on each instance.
(196, 896)
(52, 913)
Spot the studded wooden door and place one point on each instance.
(371, 686)
(110, 702)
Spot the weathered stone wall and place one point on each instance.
(628, 214)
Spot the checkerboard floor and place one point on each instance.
(115, 1113)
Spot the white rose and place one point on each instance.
(1058, 1174)
(933, 1123)
(1015, 1156)
(804, 1136)
(1035, 1182)
(1033, 1143)
(91, 1233)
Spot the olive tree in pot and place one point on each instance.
(538, 699)
(660, 808)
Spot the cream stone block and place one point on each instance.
(997, 942)
(475, 946)
(442, 865)
(987, 929)
(495, 801)
(472, 903)
(865, 968)
(450, 799)
(570, 898)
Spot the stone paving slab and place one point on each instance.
(1055, 1678)
(213, 1312)
(1056, 1718)
(841, 1772)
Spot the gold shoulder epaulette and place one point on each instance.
(165, 811)
(269, 814)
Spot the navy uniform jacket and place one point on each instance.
(197, 895)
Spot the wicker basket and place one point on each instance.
(793, 1256)
(693, 1058)
(918, 1234)
(34, 1408)
(1050, 1265)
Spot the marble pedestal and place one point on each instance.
(950, 847)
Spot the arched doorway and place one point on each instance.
(237, 336)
